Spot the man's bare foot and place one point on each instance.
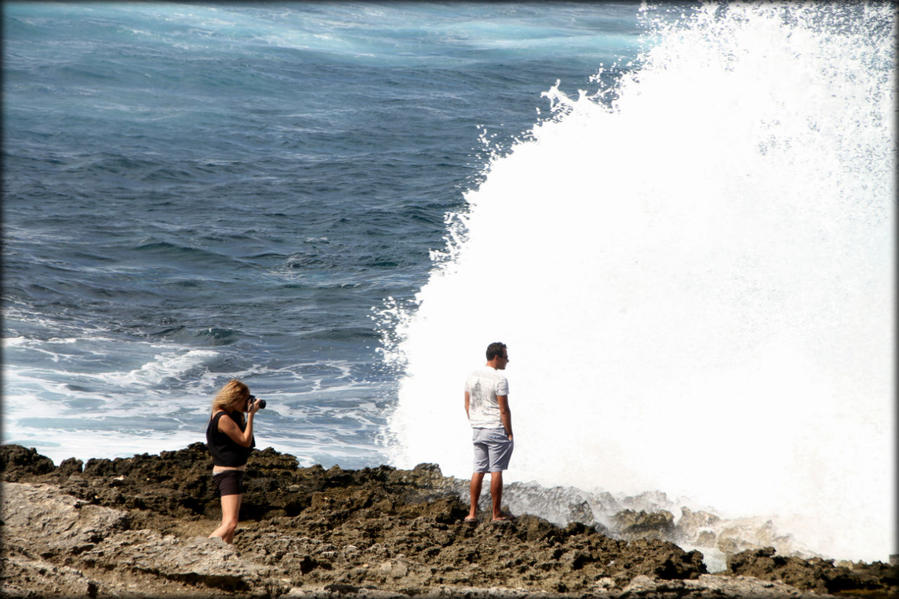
(470, 519)
(502, 518)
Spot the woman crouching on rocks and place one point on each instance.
(230, 440)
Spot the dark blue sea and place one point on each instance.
(195, 192)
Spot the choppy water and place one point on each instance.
(341, 204)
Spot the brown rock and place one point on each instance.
(51, 523)
(137, 527)
(816, 574)
(17, 462)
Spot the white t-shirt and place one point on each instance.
(483, 386)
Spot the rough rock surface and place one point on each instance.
(817, 574)
(649, 515)
(137, 527)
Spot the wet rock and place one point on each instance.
(648, 501)
(697, 528)
(819, 575)
(559, 505)
(580, 512)
(750, 533)
(631, 524)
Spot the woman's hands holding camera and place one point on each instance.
(254, 405)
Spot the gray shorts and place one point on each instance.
(492, 449)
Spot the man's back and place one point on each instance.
(483, 385)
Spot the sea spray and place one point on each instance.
(694, 280)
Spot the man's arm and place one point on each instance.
(467, 404)
(505, 414)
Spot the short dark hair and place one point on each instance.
(495, 349)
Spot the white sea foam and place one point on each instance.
(163, 365)
(63, 413)
(59, 444)
(695, 282)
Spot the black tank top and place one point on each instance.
(225, 452)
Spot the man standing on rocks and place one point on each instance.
(487, 407)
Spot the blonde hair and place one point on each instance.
(231, 396)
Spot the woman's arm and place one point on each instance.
(229, 427)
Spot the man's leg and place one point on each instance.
(500, 451)
(496, 493)
(476, 480)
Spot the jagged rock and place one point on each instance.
(745, 534)
(41, 523)
(22, 576)
(697, 528)
(129, 527)
(815, 574)
(709, 586)
(648, 501)
(17, 462)
(559, 505)
(663, 560)
(196, 561)
(52, 523)
(642, 525)
(580, 512)
(70, 466)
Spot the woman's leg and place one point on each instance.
(230, 537)
(230, 511)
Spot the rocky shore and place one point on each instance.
(137, 527)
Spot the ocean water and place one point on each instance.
(679, 218)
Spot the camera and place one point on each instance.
(253, 399)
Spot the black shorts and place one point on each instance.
(229, 482)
